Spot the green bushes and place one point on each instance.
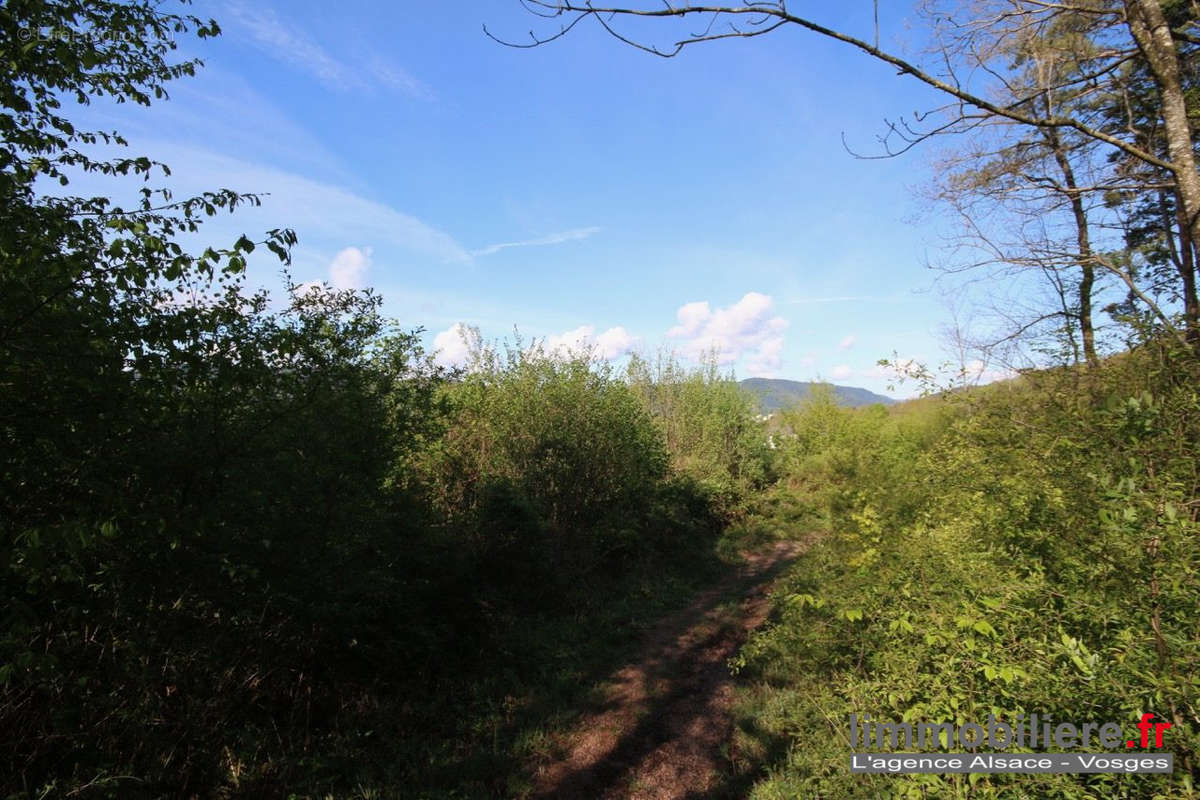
(228, 587)
(255, 552)
(1037, 554)
(551, 450)
(288, 534)
(708, 426)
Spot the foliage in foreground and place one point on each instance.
(290, 544)
(260, 546)
(1030, 547)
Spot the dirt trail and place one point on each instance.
(666, 717)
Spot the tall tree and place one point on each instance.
(1157, 230)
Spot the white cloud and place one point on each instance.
(848, 342)
(398, 78)
(610, 344)
(452, 347)
(349, 268)
(842, 371)
(692, 317)
(570, 341)
(615, 342)
(747, 328)
(288, 43)
(765, 362)
(553, 238)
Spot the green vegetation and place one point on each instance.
(262, 546)
(1026, 547)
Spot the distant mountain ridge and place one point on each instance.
(776, 393)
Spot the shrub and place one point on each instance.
(1037, 554)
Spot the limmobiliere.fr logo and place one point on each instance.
(1016, 735)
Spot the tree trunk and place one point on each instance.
(1083, 241)
(1186, 264)
(1153, 36)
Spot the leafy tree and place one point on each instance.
(87, 286)
(192, 484)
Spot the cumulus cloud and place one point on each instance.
(349, 268)
(842, 371)
(615, 342)
(848, 342)
(692, 317)
(748, 328)
(610, 344)
(766, 361)
(452, 347)
(570, 341)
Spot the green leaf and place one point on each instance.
(984, 627)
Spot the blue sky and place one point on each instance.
(578, 190)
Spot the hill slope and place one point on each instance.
(776, 393)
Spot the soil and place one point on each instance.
(664, 726)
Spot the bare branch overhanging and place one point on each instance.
(764, 17)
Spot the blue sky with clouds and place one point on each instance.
(580, 190)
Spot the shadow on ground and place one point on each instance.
(664, 728)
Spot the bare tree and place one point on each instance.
(1025, 195)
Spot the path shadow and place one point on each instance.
(670, 711)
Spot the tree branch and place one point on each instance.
(760, 13)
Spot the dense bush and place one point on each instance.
(210, 544)
(546, 457)
(251, 541)
(708, 424)
(1032, 551)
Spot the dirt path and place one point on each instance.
(666, 718)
